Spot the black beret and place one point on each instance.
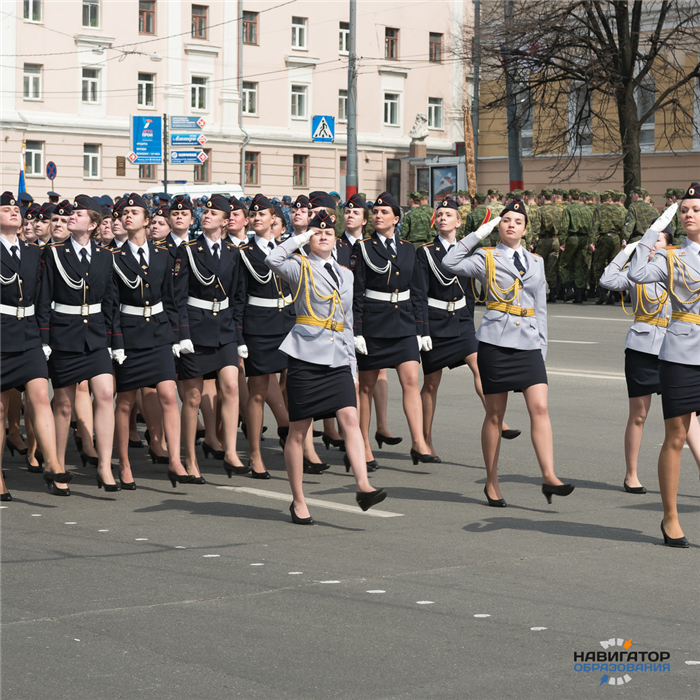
(32, 211)
(46, 211)
(516, 206)
(162, 211)
(448, 203)
(118, 208)
(180, 202)
(322, 219)
(321, 199)
(64, 208)
(236, 204)
(136, 200)
(693, 192)
(260, 201)
(356, 202)
(385, 199)
(84, 202)
(7, 199)
(106, 211)
(219, 203)
(302, 202)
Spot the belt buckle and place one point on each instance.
(450, 305)
(334, 325)
(281, 303)
(147, 311)
(523, 311)
(394, 297)
(216, 306)
(84, 309)
(20, 312)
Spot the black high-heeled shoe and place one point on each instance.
(7, 496)
(381, 439)
(494, 502)
(329, 441)
(157, 459)
(510, 434)
(232, 469)
(86, 459)
(60, 478)
(147, 437)
(633, 489)
(315, 467)
(680, 542)
(282, 433)
(107, 487)
(51, 485)
(210, 452)
(258, 475)
(367, 500)
(371, 466)
(300, 521)
(135, 443)
(127, 485)
(199, 435)
(424, 459)
(550, 490)
(36, 468)
(198, 480)
(13, 448)
(176, 478)
(317, 433)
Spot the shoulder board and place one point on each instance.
(487, 248)
(534, 255)
(160, 241)
(56, 245)
(298, 254)
(33, 244)
(114, 251)
(427, 245)
(369, 238)
(245, 246)
(673, 247)
(230, 245)
(404, 241)
(344, 267)
(161, 247)
(190, 243)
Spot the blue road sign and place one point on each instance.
(146, 140)
(187, 123)
(187, 157)
(178, 139)
(323, 128)
(51, 170)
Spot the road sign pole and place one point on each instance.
(166, 154)
(351, 179)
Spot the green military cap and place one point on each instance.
(517, 194)
(670, 192)
(529, 193)
(595, 193)
(481, 197)
(463, 193)
(558, 191)
(424, 193)
(363, 195)
(585, 193)
(605, 194)
(415, 196)
(493, 192)
(547, 194)
(509, 195)
(616, 195)
(679, 192)
(640, 191)
(574, 192)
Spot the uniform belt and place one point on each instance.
(447, 305)
(214, 306)
(144, 311)
(686, 316)
(652, 320)
(278, 303)
(509, 308)
(81, 310)
(391, 297)
(328, 323)
(17, 311)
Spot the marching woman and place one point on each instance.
(209, 298)
(23, 362)
(679, 358)
(387, 308)
(512, 340)
(448, 315)
(74, 312)
(143, 335)
(322, 366)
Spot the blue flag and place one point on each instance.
(21, 187)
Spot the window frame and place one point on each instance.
(300, 170)
(344, 38)
(34, 171)
(145, 84)
(143, 171)
(649, 126)
(87, 4)
(300, 31)
(199, 87)
(252, 167)
(432, 43)
(575, 143)
(90, 81)
(93, 156)
(27, 11)
(196, 29)
(144, 14)
(305, 94)
(389, 42)
(386, 102)
(251, 21)
(32, 77)
(438, 106)
(206, 167)
(246, 92)
(342, 105)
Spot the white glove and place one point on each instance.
(303, 238)
(629, 249)
(243, 351)
(186, 347)
(485, 229)
(109, 350)
(47, 351)
(360, 345)
(118, 356)
(426, 343)
(665, 219)
(176, 349)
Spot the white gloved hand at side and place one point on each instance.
(176, 349)
(243, 351)
(629, 249)
(665, 219)
(485, 229)
(303, 238)
(186, 347)
(109, 350)
(360, 345)
(426, 343)
(118, 356)
(47, 351)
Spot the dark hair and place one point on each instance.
(668, 235)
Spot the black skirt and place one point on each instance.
(68, 368)
(449, 352)
(264, 356)
(18, 368)
(318, 391)
(508, 369)
(680, 388)
(145, 367)
(206, 362)
(388, 352)
(641, 373)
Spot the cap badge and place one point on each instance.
(179, 205)
(379, 201)
(209, 204)
(691, 191)
(12, 202)
(131, 202)
(323, 224)
(351, 205)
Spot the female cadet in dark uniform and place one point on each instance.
(23, 363)
(209, 296)
(144, 332)
(388, 321)
(512, 340)
(75, 319)
(679, 358)
(322, 365)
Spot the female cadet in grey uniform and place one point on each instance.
(679, 357)
(512, 340)
(322, 364)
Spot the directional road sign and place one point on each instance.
(51, 170)
(178, 139)
(146, 140)
(187, 123)
(187, 157)
(323, 128)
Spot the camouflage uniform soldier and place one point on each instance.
(494, 202)
(608, 226)
(546, 222)
(672, 196)
(639, 216)
(574, 239)
(416, 224)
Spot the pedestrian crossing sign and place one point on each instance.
(323, 128)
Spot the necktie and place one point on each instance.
(331, 272)
(15, 253)
(390, 246)
(84, 259)
(518, 263)
(271, 246)
(215, 250)
(450, 247)
(142, 258)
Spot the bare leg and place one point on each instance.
(4, 408)
(692, 438)
(122, 419)
(329, 429)
(181, 393)
(242, 393)
(153, 415)
(84, 417)
(670, 469)
(294, 461)
(138, 408)
(102, 387)
(276, 399)
(166, 393)
(638, 411)
(208, 407)
(408, 376)
(32, 443)
(381, 403)
(541, 431)
(190, 411)
(368, 382)
(349, 422)
(14, 415)
(474, 367)
(63, 399)
(491, 439)
(428, 395)
(257, 392)
(228, 383)
(309, 447)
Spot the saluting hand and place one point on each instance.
(485, 229)
(303, 238)
(665, 219)
(629, 249)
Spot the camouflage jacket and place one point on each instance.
(639, 218)
(607, 218)
(576, 220)
(416, 225)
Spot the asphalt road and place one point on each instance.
(208, 592)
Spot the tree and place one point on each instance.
(595, 70)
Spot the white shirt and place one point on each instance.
(510, 252)
(118, 243)
(211, 244)
(236, 241)
(9, 245)
(351, 239)
(385, 240)
(446, 244)
(264, 244)
(135, 252)
(77, 248)
(177, 240)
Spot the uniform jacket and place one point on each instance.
(643, 337)
(417, 223)
(170, 245)
(204, 277)
(22, 334)
(682, 340)
(321, 346)
(443, 286)
(607, 218)
(638, 220)
(155, 284)
(383, 319)
(577, 220)
(73, 333)
(498, 327)
(343, 251)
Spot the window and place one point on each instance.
(91, 161)
(299, 101)
(645, 95)
(147, 86)
(250, 27)
(199, 93)
(147, 16)
(250, 98)
(32, 81)
(199, 21)
(581, 119)
(299, 176)
(91, 13)
(201, 172)
(147, 172)
(342, 105)
(32, 10)
(91, 83)
(34, 159)
(344, 38)
(393, 177)
(435, 112)
(525, 113)
(391, 43)
(391, 109)
(343, 173)
(435, 48)
(252, 168)
(298, 32)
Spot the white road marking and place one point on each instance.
(574, 342)
(70, 523)
(585, 375)
(257, 564)
(590, 318)
(425, 602)
(210, 556)
(103, 531)
(482, 615)
(34, 515)
(693, 663)
(377, 591)
(327, 581)
(537, 629)
(295, 573)
(179, 546)
(141, 539)
(312, 502)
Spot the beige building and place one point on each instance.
(81, 68)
